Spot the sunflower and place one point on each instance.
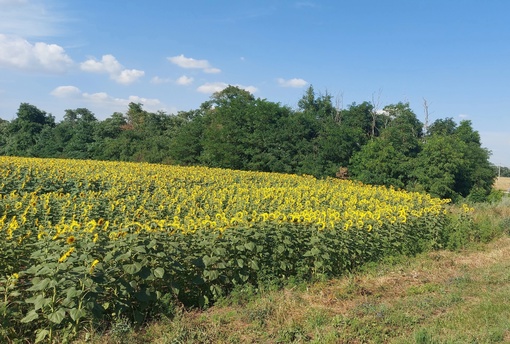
(70, 240)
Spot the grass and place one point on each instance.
(502, 183)
(437, 297)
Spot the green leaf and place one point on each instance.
(124, 256)
(211, 275)
(72, 292)
(39, 284)
(140, 249)
(254, 265)
(208, 261)
(132, 268)
(159, 272)
(32, 315)
(77, 313)
(58, 316)
(249, 246)
(216, 290)
(240, 262)
(40, 335)
(39, 301)
(315, 251)
(220, 252)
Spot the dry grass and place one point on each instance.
(502, 183)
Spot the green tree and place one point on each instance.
(380, 163)
(388, 159)
(186, 144)
(439, 166)
(453, 164)
(80, 123)
(446, 126)
(23, 132)
(3, 135)
(478, 176)
(404, 130)
(107, 145)
(226, 125)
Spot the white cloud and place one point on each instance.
(103, 99)
(251, 89)
(65, 91)
(106, 99)
(184, 80)
(463, 116)
(190, 63)
(109, 65)
(295, 82)
(16, 52)
(128, 76)
(212, 87)
(158, 80)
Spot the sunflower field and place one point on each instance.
(83, 243)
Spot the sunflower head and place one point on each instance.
(70, 240)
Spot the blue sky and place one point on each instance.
(171, 55)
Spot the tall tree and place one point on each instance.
(227, 123)
(186, 145)
(453, 164)
(387, 159)
(23, 132)
(81, 123)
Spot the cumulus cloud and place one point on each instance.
(109, 65)
(295, 82)
(158, 80)
(128, 76)
(212, 87)
(191, 63)
(184, 80)
(463, 116)
(16, 52)
(103, 99)
(66, 91)
(106, 99)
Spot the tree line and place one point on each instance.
(236, 130)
